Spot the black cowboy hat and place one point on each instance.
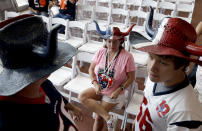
(29, 52)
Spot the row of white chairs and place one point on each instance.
(163, 7)
(88, 42)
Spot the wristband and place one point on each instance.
(122, 87)
(93, 81)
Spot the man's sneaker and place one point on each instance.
(111, 123)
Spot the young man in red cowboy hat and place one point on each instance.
(111, 72)
(29, 102)
(169, 101)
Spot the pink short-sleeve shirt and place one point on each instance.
(124, 63)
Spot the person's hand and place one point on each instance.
(77, 114)
(36, 12)
(97, 88)
(116, 93)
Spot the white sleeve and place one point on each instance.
(184, 121)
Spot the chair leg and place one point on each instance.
(122, 124)
(70, 95)
(81, 64)
(125, 121)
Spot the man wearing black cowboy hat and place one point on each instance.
(169, 102)
(28, 102)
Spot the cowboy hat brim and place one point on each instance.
(137, 38)
(163, 50)
(14, 80)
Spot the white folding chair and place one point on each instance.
(132, 108)
(102, 15)
(76, 33)
(119, 18)
(61, 37)
(165, 7)
(136, 96)
(10, 14)
(47, 20)
(94, 42)
(85, 13)
(185, 7)
(138, 17)
(80, 81)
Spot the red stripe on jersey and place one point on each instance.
(145, 101)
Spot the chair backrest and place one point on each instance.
(147, 3)
(119, 4)
(165, 7)
(184, 9)
(137, 17)
(105, 3)
(47, 20)
(132, 4)
(85, 12)
(103, 14)
(10, 14)
(62, 22)
(77, 29)
(119, 16)
(92, 35)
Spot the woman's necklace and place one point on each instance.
(109, 62)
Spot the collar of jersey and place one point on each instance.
(174, 88)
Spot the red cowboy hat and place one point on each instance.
(175, 37)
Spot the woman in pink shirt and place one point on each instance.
(111, 71)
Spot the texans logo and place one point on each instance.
(105, 81)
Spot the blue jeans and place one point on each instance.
(60, 15)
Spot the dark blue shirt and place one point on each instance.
(47, 116)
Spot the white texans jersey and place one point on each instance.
(174, 110)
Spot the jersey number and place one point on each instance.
(144, 125)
